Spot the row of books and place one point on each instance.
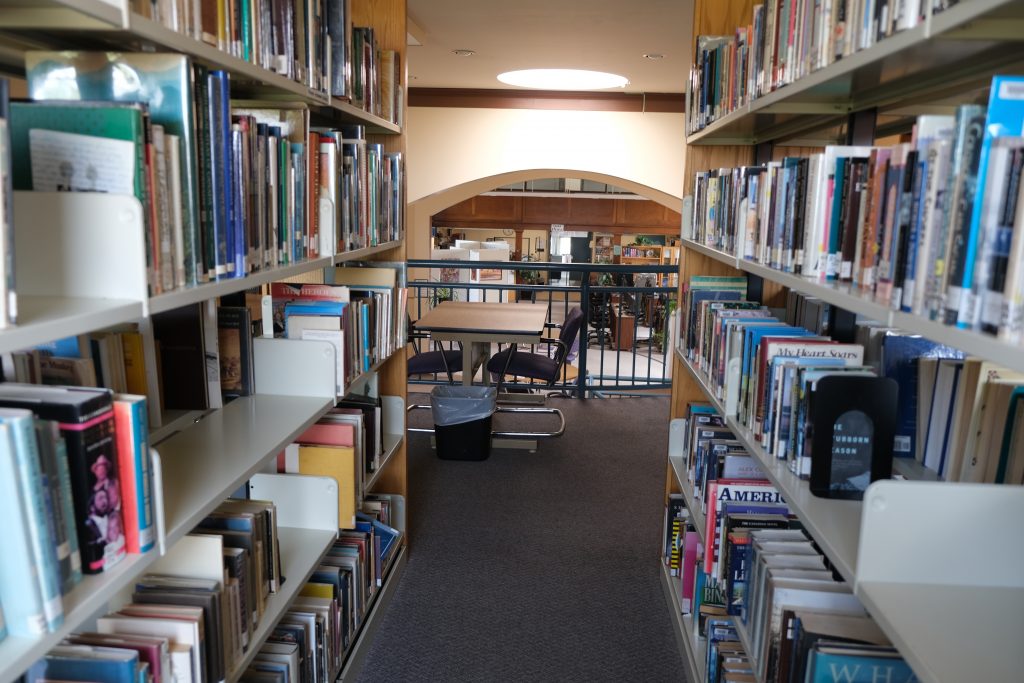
(931, 226)
(800, 623)
(362, 314)
(313, 42)
(346, 444)
(957, 416)
(190, 625)
(788, 385)
(80, 491)
(785, 41)
(310, 642)
(228, 187)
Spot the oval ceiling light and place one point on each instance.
(563, 79)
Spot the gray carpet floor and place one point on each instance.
(536, 566)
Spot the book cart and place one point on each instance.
(926, 558)
(81, 267)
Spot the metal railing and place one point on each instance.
(623, 346)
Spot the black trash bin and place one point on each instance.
(462, 421)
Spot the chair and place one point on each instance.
(437, 362)
(600, 319)
(538, 366)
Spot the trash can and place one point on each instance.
(462, 421)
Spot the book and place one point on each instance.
(131, 425)
(850, 429)
(86, 420)
(29, 574)
(337, 462)
(87, 663)
(1004, 116)
(234, 336)
(53, 463)
(162, 81)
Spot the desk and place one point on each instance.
(622, 324)
(477, 325)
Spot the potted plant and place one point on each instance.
(527, 277)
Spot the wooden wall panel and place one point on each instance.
(601, 215)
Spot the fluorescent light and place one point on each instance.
(563, 79)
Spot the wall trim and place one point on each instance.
(659, 103)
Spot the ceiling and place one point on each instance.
(599, 35)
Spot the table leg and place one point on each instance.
(468, 353)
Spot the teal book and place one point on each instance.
(833, 662)
(29, 575)
(162, 81)
(1012, 424)
(86, 663)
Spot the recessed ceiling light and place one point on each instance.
(463, 53)
(563, 79)
(654, 56)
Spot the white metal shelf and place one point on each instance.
(212, 290)
(677, 459)
(205, 463)
(951, 49)
(850, 298)
(755, 666)
(692, 644)
(391, 444)
(834, 524)
(300, 551)
(358, 650)
(80, 605)
(43, 318)
(954, 616)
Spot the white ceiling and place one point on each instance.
(600, 35)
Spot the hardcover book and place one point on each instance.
(86, 420)
(850, 428)
(162, 81)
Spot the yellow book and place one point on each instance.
(317, 590)
(134, 365)
(338, 462)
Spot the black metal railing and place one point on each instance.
(624, 344)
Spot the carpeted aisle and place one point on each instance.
(537, 567)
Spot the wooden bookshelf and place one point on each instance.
(97, 279)
(945, 60)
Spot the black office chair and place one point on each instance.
(538, 366)
(600, 319)
(440, 361)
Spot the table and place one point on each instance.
(477, 325)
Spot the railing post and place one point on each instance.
(581, 376)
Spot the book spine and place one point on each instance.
(218, 235)
(30, 586)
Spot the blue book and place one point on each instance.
(899, 362)
(53, 455)
(219, 232)
(30, 588)
(856, 664)
(1005, 117)
(94, 663)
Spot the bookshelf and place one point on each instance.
(96, 278)
(886, 547)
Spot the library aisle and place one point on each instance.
(536, 567)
